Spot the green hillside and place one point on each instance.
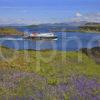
(42, 78)
(9, 31)
(95, 27)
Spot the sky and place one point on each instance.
(48, 11)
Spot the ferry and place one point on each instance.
(35, 35)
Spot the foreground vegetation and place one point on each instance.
(67, 76)
(9, 31)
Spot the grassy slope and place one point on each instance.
(56, 71)
(61, 61)
(9, 31)
(87, 28)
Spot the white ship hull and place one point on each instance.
(41, 36)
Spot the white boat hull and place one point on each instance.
(41, 36)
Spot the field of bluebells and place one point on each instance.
(67, 76)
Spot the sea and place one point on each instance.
(66, 41)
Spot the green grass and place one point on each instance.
(63, 64)
(9, 31)
(56, 71)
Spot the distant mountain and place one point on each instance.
(92, 24)
(57, 26)
(48, 24)
(80, 23)
(51, 27)
(61, 24)
(16, 24)
(12, 24)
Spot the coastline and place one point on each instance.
(82, 31)
(10, 31)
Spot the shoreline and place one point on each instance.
(10, 31)
(82, 31)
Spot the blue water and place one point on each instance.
(71, 41)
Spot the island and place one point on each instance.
(9, 31)
(87, 28)
(84, 27)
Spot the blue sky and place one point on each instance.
(48, 11)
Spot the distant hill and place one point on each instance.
(9, 31)
(93, 27)
(58, 26)
(92, 24)
(12, 25)
(75, 23)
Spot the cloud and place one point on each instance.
(78, 14)
(90, 17)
